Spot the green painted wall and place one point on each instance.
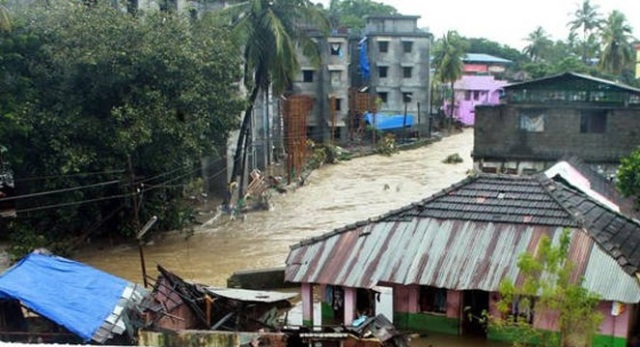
(509, 335)
(326, 312)
(424, 322)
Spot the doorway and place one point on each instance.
(474, 304)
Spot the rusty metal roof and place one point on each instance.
(470, 236)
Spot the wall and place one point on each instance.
(497, 135)
(407, 315)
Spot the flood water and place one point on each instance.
(333, 196)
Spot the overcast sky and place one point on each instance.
(506, 21)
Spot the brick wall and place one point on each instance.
(497, 135)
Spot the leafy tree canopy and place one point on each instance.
(94, 90)
(629, 175)
(353, 13)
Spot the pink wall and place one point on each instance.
(614, 325)
(488, 89)
(349, 305)
(307, 302)
(454, 300)
(405, 298)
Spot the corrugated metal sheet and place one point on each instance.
(457, 255)
(250, 295)
(605, 277)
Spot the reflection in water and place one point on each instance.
(333, 196)
(443, 340)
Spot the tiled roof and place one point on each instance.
(496, 198)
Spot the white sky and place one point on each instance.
(506, 21)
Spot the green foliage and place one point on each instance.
(83, 89)
(629, 175)
(617, 54)
(352, 13)
(387, 145)
(547, 288)
(453, 159)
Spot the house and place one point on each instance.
(74, 302)
(542, 121)
(445, 257)
(398, 59)
(484, 64)
(473, 90)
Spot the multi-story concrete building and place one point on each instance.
(399, 62)
(328, 84)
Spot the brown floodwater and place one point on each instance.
(333, 196)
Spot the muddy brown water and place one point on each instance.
(333, 196)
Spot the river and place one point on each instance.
(333, 196)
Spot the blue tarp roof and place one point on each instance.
(388, 122)
(71, 294)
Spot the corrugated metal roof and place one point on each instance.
(470, 235)
(250, 295)
(484, 58)
(458, 255)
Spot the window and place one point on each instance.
(336, 49)
(336, 77)
(383, 71)
(433, 299)
(307, 76)
(593, 122)
(407, 97)
(476, 95)
(467, 95)
(407, 71)
(532, 120)
(407, 46)
(383, 46)
(383, 96)
(338, 105)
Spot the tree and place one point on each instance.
(548, 288)
(126, 107)
(352, 13)
(5, 20)
(269, 32)
(588, 19)
(539, 44)
(447, 59)
(616, 39)
(629, 175)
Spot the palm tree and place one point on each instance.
(587, 18)
(5, 20)
(539, 43)
(448, 62)
(270, 32)
(616, 37)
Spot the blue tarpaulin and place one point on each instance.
(388, 122)
(365, 69)
(71, 294)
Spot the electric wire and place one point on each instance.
(63, 190)
(79, 174)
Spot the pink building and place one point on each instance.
(444, 258)
(471, 91)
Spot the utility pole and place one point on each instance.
(139, 236)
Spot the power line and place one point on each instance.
(24, 196)
(80, 174)
(72, 203)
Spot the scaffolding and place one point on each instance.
(296, 110)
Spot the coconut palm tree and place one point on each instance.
(588, 19)
(539, 44)
(272, 32)
(448, 62)
(616, 40)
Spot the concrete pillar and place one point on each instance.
(307, 304)
(349, 305)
